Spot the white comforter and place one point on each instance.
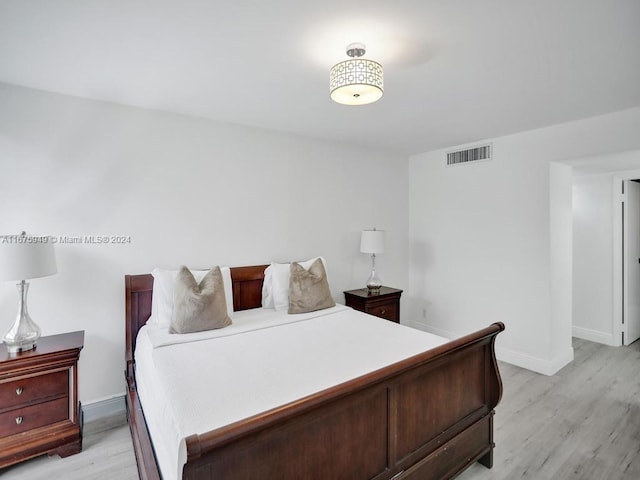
(198, 382)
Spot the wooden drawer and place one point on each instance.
(445, 462)
(384, 304)
(27, 418)
(388, 311)
(39, 408)
(33, 389)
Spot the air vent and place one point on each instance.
(474, 154)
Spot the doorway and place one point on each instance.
(598, 271)
(630, 261)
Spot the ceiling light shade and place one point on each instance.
(357, 81)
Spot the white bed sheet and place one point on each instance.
(197, 384)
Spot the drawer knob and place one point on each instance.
(18, 420)
(383, 312)
(19, 391)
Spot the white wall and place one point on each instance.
(482, 237)
(560, 265)
(593, 258)
(187, 191)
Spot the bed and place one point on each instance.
(428, 416)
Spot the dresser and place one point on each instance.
(39, 407)
(385, 304)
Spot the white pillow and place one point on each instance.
(267, 288)
(280, 273)
(164, 282)
(280, 276)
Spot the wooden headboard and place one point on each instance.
(247, 293)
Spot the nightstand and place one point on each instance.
(385, 304)
(39, 406)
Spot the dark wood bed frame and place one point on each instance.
(427, 417)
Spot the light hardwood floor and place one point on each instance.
(106, 454)
(582, 423)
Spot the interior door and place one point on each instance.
(631, 262)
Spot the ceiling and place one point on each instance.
(456, 71)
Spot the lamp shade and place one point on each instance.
(357, 81)
(372, 241)
(23, 257)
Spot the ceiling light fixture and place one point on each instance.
(357, 81)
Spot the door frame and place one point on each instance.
(618, 197)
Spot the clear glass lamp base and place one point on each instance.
(24, 333)
(374, 283)
(20, 347)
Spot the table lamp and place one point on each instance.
(372, 241)
(23, 257)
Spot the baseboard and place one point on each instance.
(535, 364)
(529, 362)
(104, 414)
(430, 329)
(594, 335)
